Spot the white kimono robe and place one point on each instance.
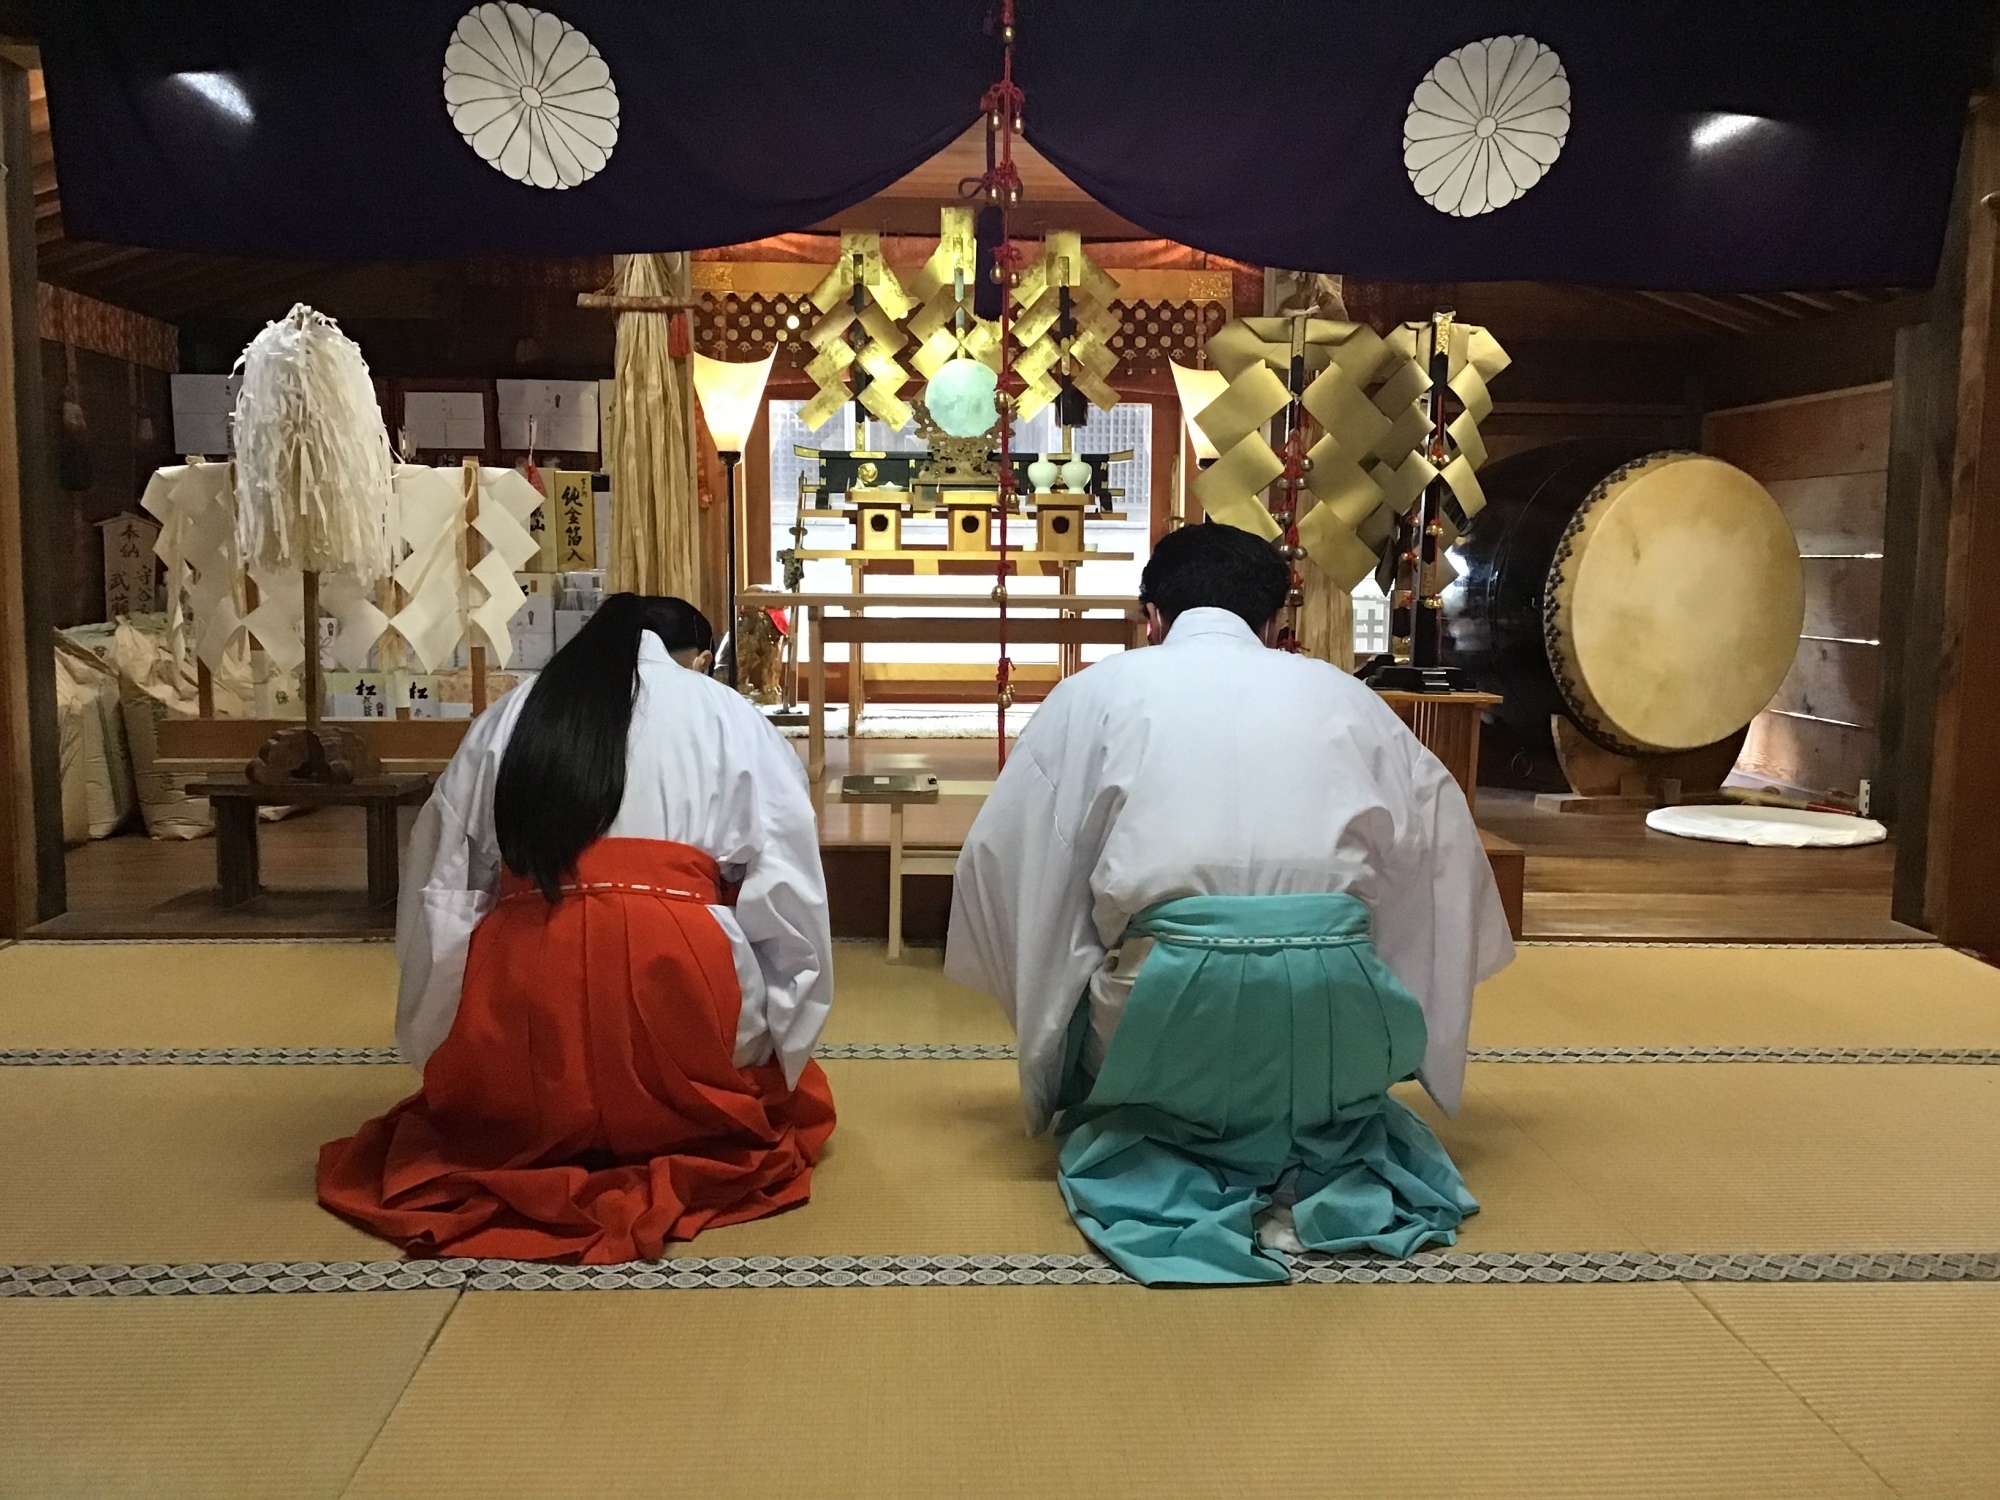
(702, 768)
(1212, 765)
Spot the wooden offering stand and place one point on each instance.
(1606, 781)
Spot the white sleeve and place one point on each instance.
(1439, 925)
(1021, 927)
(450, 880)
(446, 889)
(781, 904)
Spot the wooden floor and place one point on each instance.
(1587, 876)
(1595, 875)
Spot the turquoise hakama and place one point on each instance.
(1254, 1059)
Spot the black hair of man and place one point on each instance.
(562, 775)
(1212, 566)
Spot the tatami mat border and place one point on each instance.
(195, 1057)
(176, 940)
(765, 1272)
(308, 939)
(1914, 945)
(182, 1057)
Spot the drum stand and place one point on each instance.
(1610, 781)
(1415, 610)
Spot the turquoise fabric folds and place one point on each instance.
(1258, 1046)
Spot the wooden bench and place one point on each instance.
(236, 801)
(1510, 873)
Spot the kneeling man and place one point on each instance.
(1227, 900)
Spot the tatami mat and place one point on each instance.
(1689, 995)
(197, 995)
(1755, 1156)
(909, 1000)
(266, 1398)
(344, 995)
(1908, 1375)
(181, 1164)
(928, 1158)
(140, 1165)
(1607, 1390)
(1104, 1392)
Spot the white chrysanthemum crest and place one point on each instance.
(312, 456)
(1485, 124)
(531, 95)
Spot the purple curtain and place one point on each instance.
(1698, 143)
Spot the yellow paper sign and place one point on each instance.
(576, 522)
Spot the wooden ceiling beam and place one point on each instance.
(72, 260)
(156, 287)
(1688, 307)
(1789, 314)
(1733, 303)
(240, 289)
(1813, 300)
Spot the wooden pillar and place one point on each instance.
(1942, 616)
(475, 548)
(31, 845)
(754, 475)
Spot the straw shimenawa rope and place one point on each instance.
(655, 547)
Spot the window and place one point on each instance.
(1371, 620)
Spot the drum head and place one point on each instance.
(1676, 604)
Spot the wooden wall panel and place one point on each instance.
(1839, 432)
(1824, 458)
(1839, 513)
(1834, 680)
(1843, 597)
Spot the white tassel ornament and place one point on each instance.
(312, 456)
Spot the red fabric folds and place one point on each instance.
(586, 1107)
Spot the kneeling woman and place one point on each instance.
(615, 962)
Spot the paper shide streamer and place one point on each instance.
(312, 456)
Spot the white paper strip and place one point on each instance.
(276, 621)
(431, 508)
(361, 621)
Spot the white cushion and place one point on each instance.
(1771, 827)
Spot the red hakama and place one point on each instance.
(586, 1105)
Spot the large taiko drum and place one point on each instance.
(1653, 598)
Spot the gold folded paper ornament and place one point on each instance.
(1335, 548)
(1339, 482)
(945, 288)
(1228, 487)
(883, 309)
(1355, 347)
(1367, 394)
(1336, 401)
(1038, 308)
(1251, 400)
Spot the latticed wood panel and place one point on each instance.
(747, 325)
(1156, 332)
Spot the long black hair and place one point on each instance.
(562, 778)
